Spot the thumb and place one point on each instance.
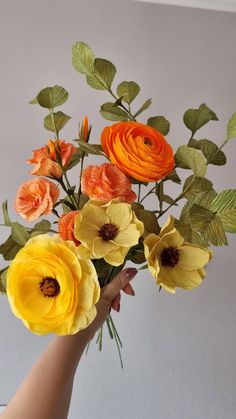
(118, 283)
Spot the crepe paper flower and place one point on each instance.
(138, 150)
(107, 231)
(66, 226)
(174, 262)
(45, 158)
(35, 198)
(50, 289)
(106, 182)
(84, 130)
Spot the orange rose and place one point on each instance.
(45, 158)
(35, 198)
(106, 182)
(66, 226)
(138, 150)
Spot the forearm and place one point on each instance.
(46, 390)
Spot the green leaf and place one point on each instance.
(160, 123)
(174, 177)
(103, 74)
(128, 90)
(190, 158)
(210, 150)
(194, 185)
(113, 113)
(147, 217)
(208, 224)
(3, 280)
(7, 220)
(51, 97)
(42, 227)
(225, 206)
(204, 199)
(33, 101)
(231, 127)
(194, 119)
(82, 58)
(56, 121)
(200, 217)
(91, 148)
(143, 108)
(168, 199)
(19, 233)
(74, 159)
(9, 248)
(190, 235)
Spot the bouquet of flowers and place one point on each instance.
(54, 270)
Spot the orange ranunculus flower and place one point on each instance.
(106, 182)
(139, 150)
(45, 158)
(66, 226)
(35, 198)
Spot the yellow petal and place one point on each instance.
(192, 258)
(165, 280)
(87, 233)
(173, 239)
(185, 279)
(168, 226)
(91, 214)
(116, 257)
(120, 215)
(128, 237)
(102, 247)
(83, 252)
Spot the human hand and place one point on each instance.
(111, 295)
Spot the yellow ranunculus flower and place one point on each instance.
(107, 231)
(50, 289)
(174, 262)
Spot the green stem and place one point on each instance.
(132, 118)
(80, 177)
(147, 194)
(61, 182)
(178, 198)
(139, 192)
(117, 340)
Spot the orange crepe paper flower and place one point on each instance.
(106, 182)
(35, 198)
(66, 226)
(45, 158)
(85, 130)
(139, 150)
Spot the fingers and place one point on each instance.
(116, 303)
(128, 289)
(120, 281)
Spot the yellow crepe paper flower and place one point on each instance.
(174, 262)
(107, 231)
(50, 289)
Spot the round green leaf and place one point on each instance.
(128, 90)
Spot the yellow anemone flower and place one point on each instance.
(174, 262)
(107, 231)
(50, 289)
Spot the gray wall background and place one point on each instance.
(179, 351)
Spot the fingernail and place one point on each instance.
(130, 273)
(118, 308)
(133, 293)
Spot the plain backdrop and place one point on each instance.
(178, 351)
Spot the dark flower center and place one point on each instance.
(147, 141)
(49, 287)
(170, 256)
(108, 232)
